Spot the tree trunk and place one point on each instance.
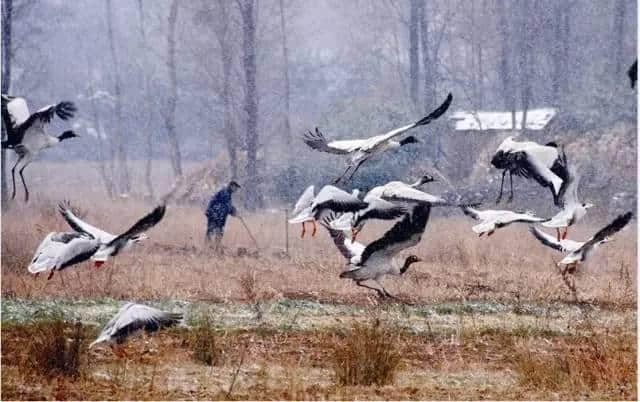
(414, 67)
(254, 197)
(285, 57)
(7, 16)
(618, 21)
(427, 62)
(149, 140)
(505, 56)
(121, 154)
(174, 146)
(525, 61)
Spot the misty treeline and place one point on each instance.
(200, 80)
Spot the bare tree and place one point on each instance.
(248, 14)
(416, 8)
(146, 85)
(505, 57)
(121, 153)
(287, 89)
(170, 113)
(7, 51)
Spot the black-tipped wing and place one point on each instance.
(620, 222)
(545, 239)
(63, 110)
(388, 213)
(318, 142)
(632, 73)
(346, 247)
(437, 112)
(472, 212)
(404, 234)
(142, 225)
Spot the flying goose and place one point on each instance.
(60, 250)
(131, 319)
(380, 208)
(579, 251)
(361, 150)
(26, 133)
(542, 163)
(377, 258)
(573, 210)
(491, 220)
(310, 208)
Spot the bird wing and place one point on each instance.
(614, 227)
(381, 209)
(347, 248)
(337, 200)
(404, 234)
(60, 250)
(532, 167)
(471, 212)
(79, 225)
(379, 139)
(509, 217)
(132, 317)
(17, 109)
(318, 142)
(144, 224)
(64, 110)
(546, 239)
(305, 200)
(398, 191)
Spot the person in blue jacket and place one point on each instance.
(219, 207)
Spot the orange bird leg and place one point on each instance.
(303, 231)
(490, 233)
(558, 234)
(51, 274)
(314, 228)
(566, 232)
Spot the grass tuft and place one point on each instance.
(204, 343)
(55, 348)
(368, 355)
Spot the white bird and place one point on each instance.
(362, 150)
(491, 220)
(528, 159)
(579, 251)
(380, 208)
(377, 258)
(572, 211)
(26, 133)
(60, 250)
(408, 194)
(310, 208)
(131, 319)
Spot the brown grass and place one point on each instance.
(577, 367)
(368, 355)
(174, 263)
(204, 343)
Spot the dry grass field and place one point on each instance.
(480, 318)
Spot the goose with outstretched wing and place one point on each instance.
(131, 319)
(492, 220)
(361, 150)
(377, 258)
(579, 251)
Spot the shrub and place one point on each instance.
(204, 343)
(56, 347)
(368, 355)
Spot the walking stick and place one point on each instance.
(249, 232)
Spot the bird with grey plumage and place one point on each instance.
(377, 259)
(132, 319)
